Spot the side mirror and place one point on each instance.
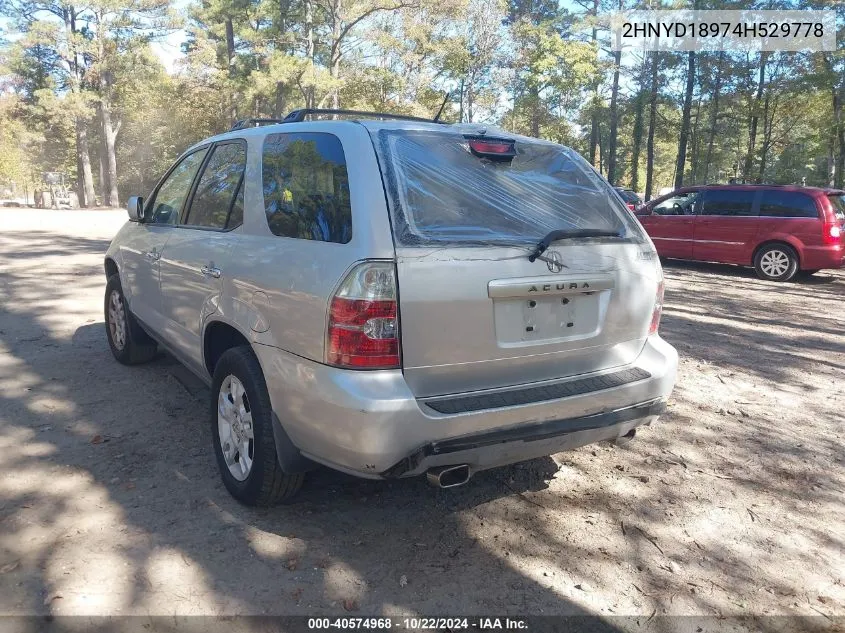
(135, 209)
(643, 210)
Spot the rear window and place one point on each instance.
(439, 191)
(787, 204)
(838, 203)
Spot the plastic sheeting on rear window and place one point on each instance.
(441, 193)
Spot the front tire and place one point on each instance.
(242, 432)
(776, 262)
(129, 344)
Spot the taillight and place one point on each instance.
(630, 206)
(832, 234)
(658, 309)
(363, 330)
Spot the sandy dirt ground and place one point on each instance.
(732, 505)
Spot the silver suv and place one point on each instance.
(391, 296)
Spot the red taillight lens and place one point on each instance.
(658, 310)
(363, 330)
(832, 234)
(630, 206)
(495, 149)
(487, 147)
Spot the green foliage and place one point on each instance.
(526, 65)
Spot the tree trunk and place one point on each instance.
(84, 158)
(768, 122)
(752, 128)
(695, 142)
(681, 161)
(230, 67)
(336, 53)
(110, 134)
(638, 128)
(839, 121)
(652, 123)
(594, 115)
(309, 51)
(714, 115)
(534, 95)
(103, 169)
(85, 179)
(109, 185)
(614, 120)
(461, 105)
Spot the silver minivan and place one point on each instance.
(391, 296)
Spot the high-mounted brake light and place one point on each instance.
(658, 309)
(496, 149)
(363, 330)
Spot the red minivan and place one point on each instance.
(779, 230)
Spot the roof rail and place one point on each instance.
(244, 123)
(299, 115)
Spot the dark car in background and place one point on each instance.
(630, 197)
(779, 230)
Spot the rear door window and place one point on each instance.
(441, 191)
(787, 204)
(213, 203)
(726, 202)
(306, 187)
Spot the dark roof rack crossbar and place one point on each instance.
(297, 116)
(244, 123)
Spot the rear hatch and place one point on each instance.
(468, 206)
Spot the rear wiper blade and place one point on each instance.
(568, 234)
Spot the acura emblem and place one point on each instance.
(554, 261)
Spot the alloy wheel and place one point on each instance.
(234, 426)
(774, 263)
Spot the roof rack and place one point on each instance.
(299, 115)
(244, 123)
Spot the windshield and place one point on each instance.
(440, 191)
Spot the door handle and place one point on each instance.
(153, 256)
(210, 271)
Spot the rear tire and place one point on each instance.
(241, 420)
(129, 344)
(776, 262)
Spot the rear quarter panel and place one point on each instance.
(277, 289)
(800, 233)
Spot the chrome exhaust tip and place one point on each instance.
(449, 476)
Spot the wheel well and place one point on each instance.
(218, 338)
(773, 243)
(111, 268)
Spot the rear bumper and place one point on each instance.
(820, 257)
(368, 423)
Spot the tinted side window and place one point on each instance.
(306, 187)
(788, 204)
(168, 201)
(217, 188)
(731, 203)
